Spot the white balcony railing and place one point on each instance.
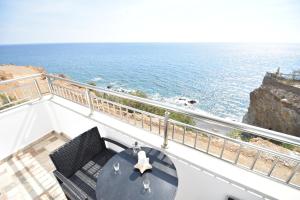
(254, 158)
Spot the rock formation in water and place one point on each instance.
(275, 105)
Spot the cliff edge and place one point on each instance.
(12, 71)
(275, 105)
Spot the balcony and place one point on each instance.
(41, 112)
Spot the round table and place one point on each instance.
(127, 184)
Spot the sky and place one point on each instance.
(64, 21)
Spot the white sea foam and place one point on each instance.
(157, 97)
(96, 79)
(182, 101)
(119, 88)
(177, 100)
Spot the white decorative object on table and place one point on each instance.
(143, 162)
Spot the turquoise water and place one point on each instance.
(219, 76)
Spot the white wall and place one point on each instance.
(194, 183)
(197, 184)
(23, 125)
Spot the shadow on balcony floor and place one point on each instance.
(28, 173)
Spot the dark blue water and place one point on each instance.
(220, 76)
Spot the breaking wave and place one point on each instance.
(96, 79)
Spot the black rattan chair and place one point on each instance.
(79, 161)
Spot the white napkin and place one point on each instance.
(143, 162)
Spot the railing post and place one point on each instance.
(49, 84)
(37, 88)
(295, 169)
(166, 123)
(89, 100)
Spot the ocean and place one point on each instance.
(219, 76)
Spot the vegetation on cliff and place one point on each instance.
(260, 141)
(144, 107)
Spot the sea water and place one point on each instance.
(219, 76)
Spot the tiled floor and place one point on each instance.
(28, 174)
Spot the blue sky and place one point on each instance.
(54, 21)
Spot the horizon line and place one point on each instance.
(140, 42)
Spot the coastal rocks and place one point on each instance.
(4, 75)
(185, 101)
(180, 101)
(13, 71)
(120, 89)
(192, 102)
(62, 76)
(275, 105)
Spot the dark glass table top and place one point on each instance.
(127, 184)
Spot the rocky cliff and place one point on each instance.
(12, 71)
(275, 105)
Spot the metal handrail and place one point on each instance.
(236, 125)
(269, 151)
(292, 77)
(14, 99)
(88, 100)
(260, 152)
(20, 78)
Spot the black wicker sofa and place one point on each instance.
(79, 161)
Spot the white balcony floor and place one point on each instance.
(28, 173)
